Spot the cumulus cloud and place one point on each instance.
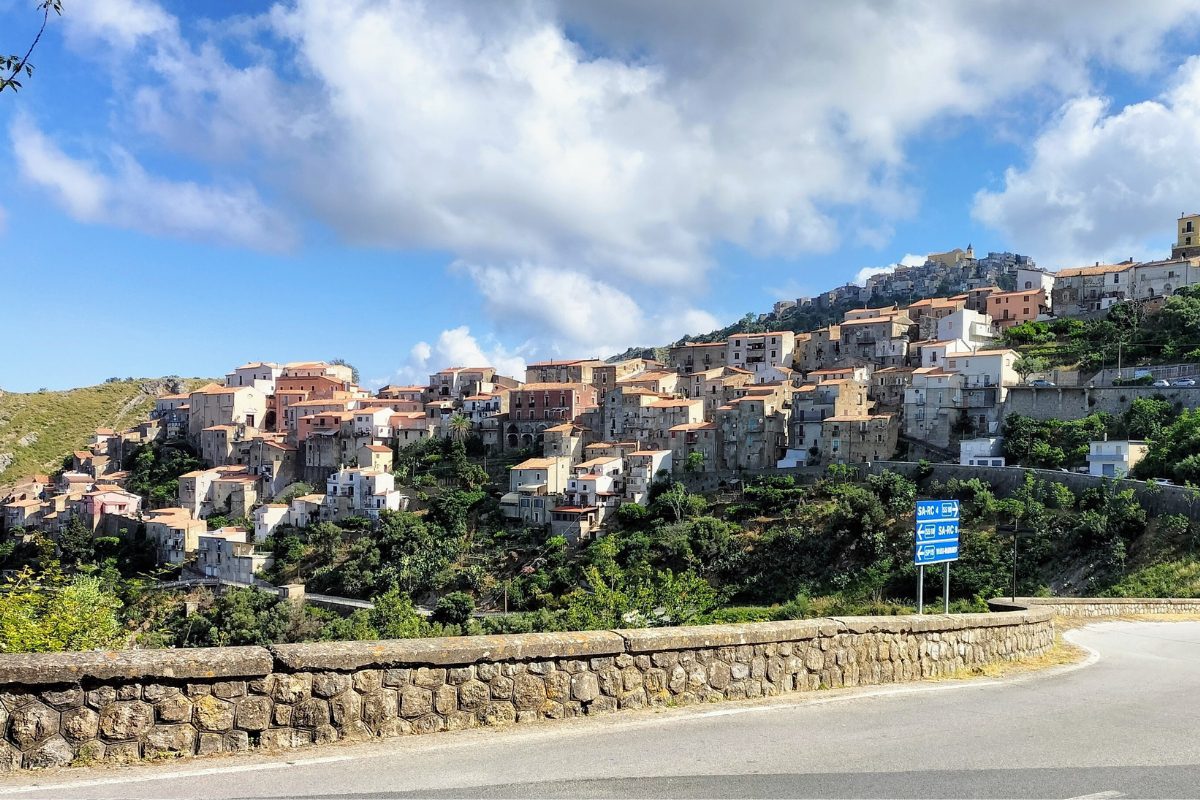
(909, 260)
(1104, 184)
(457, 347)
(607, 148)
(127, 196)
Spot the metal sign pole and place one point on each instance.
(921, 589)
(946, 590)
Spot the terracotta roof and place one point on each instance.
(1098, 269)
(378, 448)
(547, 387)
(694, 426)
(860, 418)
(701, 344)
(535, 463)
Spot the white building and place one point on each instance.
(643, 466)
(1114, 459)
(267, 518)
(357, 492)
(260, 374)
(969, 328)
(226, 554)
(756, 352)
(1035, 278)
(982, 452)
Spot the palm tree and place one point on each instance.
(460, 426)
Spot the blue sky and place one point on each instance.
(408, 185)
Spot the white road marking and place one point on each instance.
(1099, 796)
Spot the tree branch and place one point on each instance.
(22, 64)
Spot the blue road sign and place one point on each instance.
(936, 532)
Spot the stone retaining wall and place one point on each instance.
(56, 709)
(1100, 606)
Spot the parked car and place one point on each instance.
(1183, 382)
(1162, 481)
(1161, 383)
(1042, 383)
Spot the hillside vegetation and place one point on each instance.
(39, 429)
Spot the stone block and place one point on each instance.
(611, 681)
(473, 695)
(54, 752)
(129, 691)
(124, 720)
(62, 699)
(345, 708)
(154, 692)
(325, 734)
(10, 757)
(585, 686)
(199, 689)
(129, 666)
(163, 739)
(378, 707)
(80, 724)
(601, 705)
(461, 720)
(368, 680)
(447, 651)
(237, 741)
(430, 723)
(529, 692)
(558, 685)
(501, 687)
(227, 690)
(634, 699)
(459, 675)
(719, 675)
(415, 702)
(210, 744)
(101, 696)
(122, 752)
(310, 713)
(212, 714)
(445, 699)
(253, 713)
(396, 677)
(174, 708)
(32, 723)
(284, 739)
(498, 714)
(287, 688)
(429, 677)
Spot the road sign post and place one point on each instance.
(936, 543)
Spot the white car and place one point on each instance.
(1185, 382)
(1161, 383)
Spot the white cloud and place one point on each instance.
(127, 196)
(3, 220)
(457, 347)
(621, 156)
(909, 260)
(118, 23)
(1104, 185)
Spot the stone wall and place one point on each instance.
(1100, 606)
(1155, 498)
(57, 709)
(1069, 402)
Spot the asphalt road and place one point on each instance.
(1125, 724)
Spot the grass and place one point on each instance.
(39, 429)
(1060, 654)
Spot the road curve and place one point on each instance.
(1126, 724)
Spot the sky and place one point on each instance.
(413, 185)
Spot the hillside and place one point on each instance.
(38, 429)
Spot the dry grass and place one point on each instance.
(1061, 654)
(1070, 623)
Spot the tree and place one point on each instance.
(341, 362)
(694, 462)
(12, 66)
(1147, 416)
(51, 612)
(1026, 365)
(460, 426)
(454, 608)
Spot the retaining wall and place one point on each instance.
(56, 709)
(1100, 606)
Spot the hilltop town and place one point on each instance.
(935, 378)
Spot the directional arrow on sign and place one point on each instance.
(925, 551)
